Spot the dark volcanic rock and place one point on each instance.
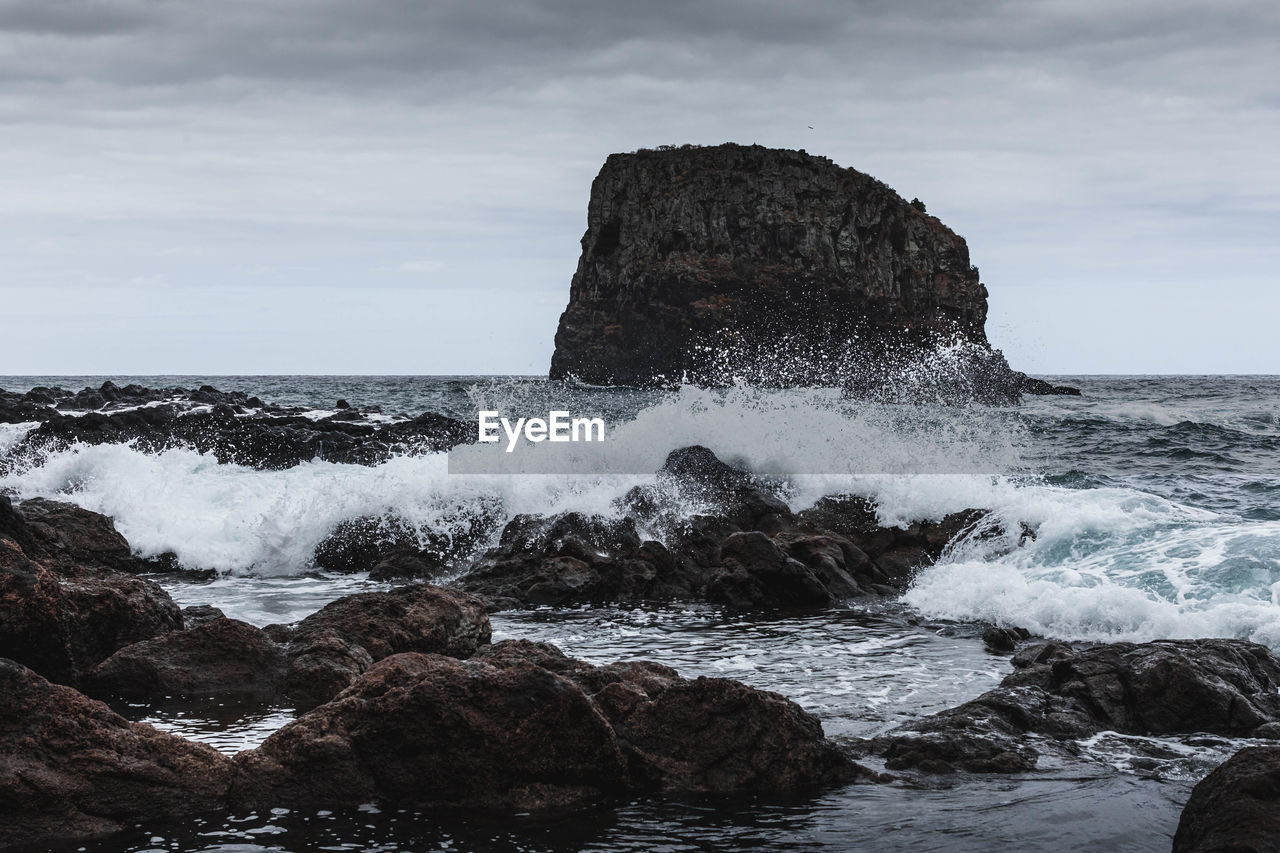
(236, 428)
(896, 551)
(1236, 808)
(757, 573)
(71, 768)
(755, 554)
(705, 263)
(61, 618)
(422, 730)
(69, 534)
(334, 645)
(699, 735)
(576, 559)
(1003, 640)
(219, 657)
(1227, 687)
(522, 726)
(389, 547)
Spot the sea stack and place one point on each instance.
(702, 264)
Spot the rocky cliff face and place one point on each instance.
(698, 261)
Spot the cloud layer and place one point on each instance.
(396, 186)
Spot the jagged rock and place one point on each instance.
(1236, 808)
(755, 572)
(71, 768)
(699, 475)
(896, 551)
(575, 559)
(1227, 687)
(334, 645)
(704, 264)
(758, 554)
(218, 657)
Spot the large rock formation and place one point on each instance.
(523, 726)
(707, 262)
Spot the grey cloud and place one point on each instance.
(331, 142)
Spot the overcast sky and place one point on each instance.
(399, 186)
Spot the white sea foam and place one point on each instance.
(1105, 563)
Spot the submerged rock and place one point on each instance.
(1226, 687)
(1236, 808)
(72, 768)
(334, 645)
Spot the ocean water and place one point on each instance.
(1155, 507)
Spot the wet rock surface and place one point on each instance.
(388, 547)
(1165, 687)
(1236, 808)
(72, 768)
(63, 609)
(334, 645)
(231, 425)
(753, 553)
(216, 658)
(522, 726)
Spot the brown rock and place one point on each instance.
(70, 767)
(420, 730)
(338, 642)
(63, 620)
(219, 657)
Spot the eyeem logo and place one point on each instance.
(558, 426)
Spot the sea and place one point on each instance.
(1154, 504)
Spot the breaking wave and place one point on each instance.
(1182, 540)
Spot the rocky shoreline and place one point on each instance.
(404, 699)
(231, 425)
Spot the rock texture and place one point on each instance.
(1236, 808)
(749, 551)
(71, 767)
(1227, 687)
(701, 263)
(230, 425)
(63, 607)
(217, 658)
(334, 645)
(522, 726)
